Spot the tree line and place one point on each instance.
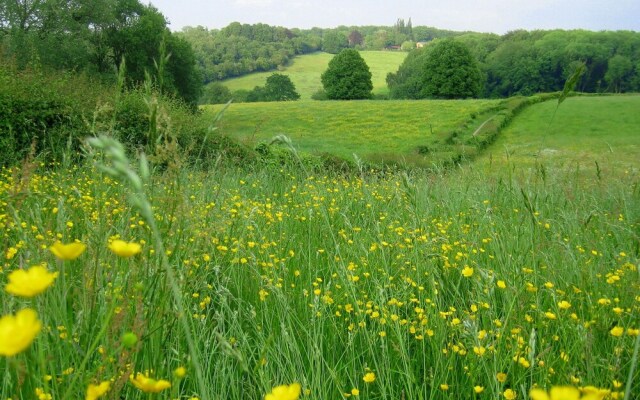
(240, 49)
(524, 63)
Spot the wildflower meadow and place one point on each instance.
(121, 281)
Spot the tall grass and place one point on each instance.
(434, 283)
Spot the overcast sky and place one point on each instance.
(497, 16)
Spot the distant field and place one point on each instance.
(369, 128)
(305, 72)
(584, 131)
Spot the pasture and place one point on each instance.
(585, 130)
(305, 72)
(370, 129)
(469, 283)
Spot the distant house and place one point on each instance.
(393, 48)
(420, 45)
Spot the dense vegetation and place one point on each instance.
(240, 49)
(95, 37)
(524, 63)
(226, 283)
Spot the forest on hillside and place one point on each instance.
(516, 63)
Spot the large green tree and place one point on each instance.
(451, 72)
(280, 88)
(347, 77)
(406, 83)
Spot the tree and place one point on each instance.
(334, 41)
(355, 39)
(451, 72)
(215, 93)
(280, 88)
(406, 83)
(619, 72)
(347, 77)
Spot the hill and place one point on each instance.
(402, 131)
(427, 132)
(305, 72)
(585, 130)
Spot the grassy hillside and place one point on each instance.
(305, 72)
(584, 131)
(373, 130)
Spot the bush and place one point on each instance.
(215, 93)
(320, 95)
(43, 113)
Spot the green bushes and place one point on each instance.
(39, 114)
(49, 115)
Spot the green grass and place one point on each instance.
(424, 280)
(369, 129)
(256, 277)
(584, 131)
(305, 72)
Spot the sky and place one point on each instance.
(497, 16)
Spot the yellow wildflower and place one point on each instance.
(501, 377)
(593, 393)
(125, 249)
(180, 372)
(69, 251)
(467, 271)
(369, 377)
(284, 392)
(564, 305)
(42, 395)
(509, 394)
(355, 392)
(149, 385)
(478, 389)
(617, 331)
(556, 393)
(31, 282)
(17, 332)
(97, 391)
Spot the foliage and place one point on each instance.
(407, 82)
(239, 49)
(95, 36)
(277, 88)
(450, 72)
(280, 88)
(347, 77)
(215, 93)
(334, 41)
(524, 63)
(48, 116)
(42, 115)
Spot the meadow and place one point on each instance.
(305, 72)
(584, 131)
(471, 282)
(372, 130)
